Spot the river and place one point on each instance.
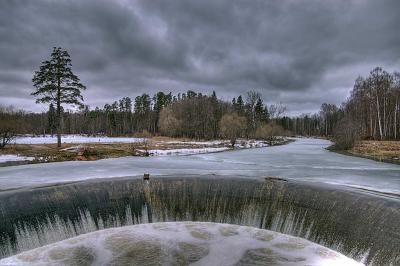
(304, 159)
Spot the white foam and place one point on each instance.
(190, 242)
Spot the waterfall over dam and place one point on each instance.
(356, 223)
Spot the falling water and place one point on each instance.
(357, 224)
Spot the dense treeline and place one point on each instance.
(323, 123)
(190, 114)
(373, 106)
(371, 112)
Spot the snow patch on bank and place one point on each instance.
(205, 143)
(247, 144)
(240, 143)
(13, 158)
(48, 139)
(185, 151)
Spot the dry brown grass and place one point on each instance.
(94, 151)
(163, 138)
(381, 150)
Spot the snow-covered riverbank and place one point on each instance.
(14, 158)
(41, 149)
(187, 151)
(48, 139)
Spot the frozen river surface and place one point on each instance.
(304, 159)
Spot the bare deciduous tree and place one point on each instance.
(168, 124)
(276, 110)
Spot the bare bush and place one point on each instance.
(269, 131)
(232, 126)
(346, 134)
(6, 138)
(10, 125)
(146, 142)
(87, 151)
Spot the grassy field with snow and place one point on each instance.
(84, 148)
(48, 139)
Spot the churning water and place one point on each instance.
(183, 243)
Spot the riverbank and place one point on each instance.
(43, 149)
(381, 151)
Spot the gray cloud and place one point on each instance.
(300, 53)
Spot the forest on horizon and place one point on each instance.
(371, 112)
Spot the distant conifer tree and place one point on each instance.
(56, 84)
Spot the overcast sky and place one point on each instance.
(300, 53)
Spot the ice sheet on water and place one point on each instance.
(304, 159)
(182, 243)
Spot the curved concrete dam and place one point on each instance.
(361, 225)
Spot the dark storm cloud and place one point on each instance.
(298, 52)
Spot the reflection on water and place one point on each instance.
(358, 225)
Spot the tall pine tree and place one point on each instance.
(56, 84)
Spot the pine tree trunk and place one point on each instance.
(59, 113)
